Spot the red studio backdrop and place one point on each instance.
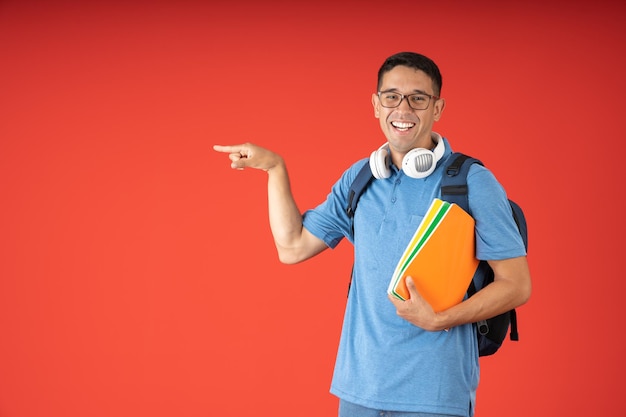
(138, 275)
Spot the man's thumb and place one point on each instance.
(410, 285)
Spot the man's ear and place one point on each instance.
(440, 104)
(376, 104)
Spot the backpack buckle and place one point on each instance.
(452, 171)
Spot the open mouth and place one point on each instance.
(402, 126)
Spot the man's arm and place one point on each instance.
(510, 289)
(293, 242)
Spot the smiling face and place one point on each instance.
(404, 127)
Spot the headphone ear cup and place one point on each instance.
(379, 163)
(419, 163)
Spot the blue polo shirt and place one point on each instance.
(383, 361)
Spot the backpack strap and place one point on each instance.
(357, 187)
(454, 180)
(360, 183)
(513, 316)
(454, 189)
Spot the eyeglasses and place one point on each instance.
(419, 101)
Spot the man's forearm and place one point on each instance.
(284, 216)
(502, 295)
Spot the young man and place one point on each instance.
(400, 356)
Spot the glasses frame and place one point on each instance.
(406, 96)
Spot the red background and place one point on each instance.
(137, 272)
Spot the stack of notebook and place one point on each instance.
(440, 258)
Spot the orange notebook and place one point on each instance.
(440, 257)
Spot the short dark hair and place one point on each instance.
(415, 61)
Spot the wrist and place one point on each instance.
(442, 321)
(279, 165)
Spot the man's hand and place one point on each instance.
(416, 309)
(250, 156)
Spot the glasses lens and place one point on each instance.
(418, 101)
(390, 99)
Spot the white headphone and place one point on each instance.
(417, 163)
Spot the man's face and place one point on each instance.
(404, 127)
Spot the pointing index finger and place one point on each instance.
(227, 149)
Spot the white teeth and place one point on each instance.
(402, 125)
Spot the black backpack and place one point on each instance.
(491, 332)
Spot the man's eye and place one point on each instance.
(418, 98)
(391, 96)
